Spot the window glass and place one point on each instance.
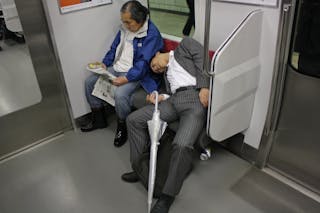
(19, 87)
(305, 57)
(173, 17)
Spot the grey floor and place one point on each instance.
(80, 173)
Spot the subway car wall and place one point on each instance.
(71, 35)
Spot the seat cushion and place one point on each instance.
(169, 45)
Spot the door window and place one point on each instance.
(173, 17)
(305, 54)
(19, 87)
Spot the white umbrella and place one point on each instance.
(156, 128)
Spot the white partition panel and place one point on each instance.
(236, 66)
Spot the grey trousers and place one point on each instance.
(184, 106)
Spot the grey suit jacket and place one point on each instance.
(189, 54)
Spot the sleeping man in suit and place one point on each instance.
(186, 100)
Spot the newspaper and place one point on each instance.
(103, 89)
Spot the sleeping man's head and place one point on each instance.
(160, 62)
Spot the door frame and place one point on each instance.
(288, 13)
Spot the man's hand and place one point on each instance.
(120, 81)
(204, 96)
(152, 98)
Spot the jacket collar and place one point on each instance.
(142, 32)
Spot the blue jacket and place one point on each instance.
(144, 47)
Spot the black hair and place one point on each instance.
(138, 12)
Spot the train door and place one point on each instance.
(33, 106)
(294, 135)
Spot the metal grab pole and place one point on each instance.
(206, 62)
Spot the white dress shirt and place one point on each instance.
(177, 75)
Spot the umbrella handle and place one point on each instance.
(157, 97)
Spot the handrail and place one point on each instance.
(206, 61)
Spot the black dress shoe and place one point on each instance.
(130, 177)
(163, 204)
(121, 134)
(120, 138)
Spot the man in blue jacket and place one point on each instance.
(128, 59)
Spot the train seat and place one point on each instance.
(10, 15)
(10, 24)
(172, 45)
